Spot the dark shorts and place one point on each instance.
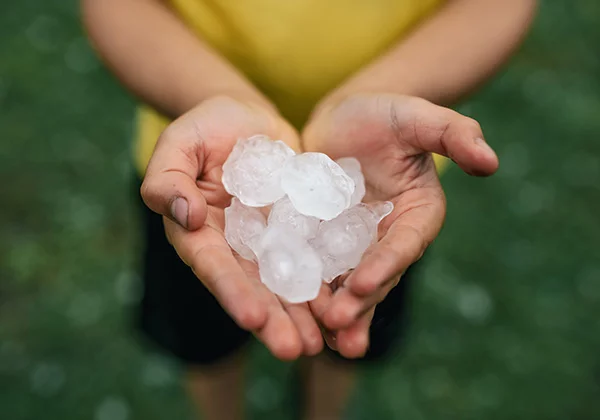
(179, 315)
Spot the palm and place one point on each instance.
(393, 137)
(192, 153)
(386, 142)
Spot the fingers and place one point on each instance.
(303, 320)
(283, 332)
(169, 186)
(353, 342)
(401, 247)
(348, 307)
(209, 256)
(417, 218)
(412, 230)
(235, 285)
(319, 307)
(279, 334)
(175, 195)
(435, 129)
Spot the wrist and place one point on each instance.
(253, 100)
(364, 87)
(252, 112)
(183, 102)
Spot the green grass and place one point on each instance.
(506, 317)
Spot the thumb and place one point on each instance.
(169, 186)
(440, 130)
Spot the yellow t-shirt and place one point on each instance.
(295, 51)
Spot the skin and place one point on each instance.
(393, 137)
(385, 115)
(382, 116)
(140, 51)
(185, 185)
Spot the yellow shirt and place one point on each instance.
(295, 51)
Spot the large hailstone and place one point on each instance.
(288, 265)
(317, 227)
(352, 168)
(316, 185)
(252, 172)
(341, 242)
(283, 213)
(244, 227)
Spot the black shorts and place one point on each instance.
(178, 314)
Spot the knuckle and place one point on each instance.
(411, 248)
(472, 124)
(153, 196)
(249, 319)
(148, 191)
(420, 243)
(193, 258)
(370, 284)
(380, 297)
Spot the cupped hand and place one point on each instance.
(183, 183)
(393, 137)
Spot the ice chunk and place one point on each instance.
(252, 172)
(341, 242)
(352, 168)
(288, 265)
(284, 213)
(316, 185)
(380, 210)
(243, 228)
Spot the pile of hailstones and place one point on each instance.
(316, 228)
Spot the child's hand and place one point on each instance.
(183, 183)
(393, 137)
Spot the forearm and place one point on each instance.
(158, 58)
(450, 54)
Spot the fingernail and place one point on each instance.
(484, 146)
(179, 211)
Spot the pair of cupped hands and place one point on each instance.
(392, 136)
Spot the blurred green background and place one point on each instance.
(506, 317)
